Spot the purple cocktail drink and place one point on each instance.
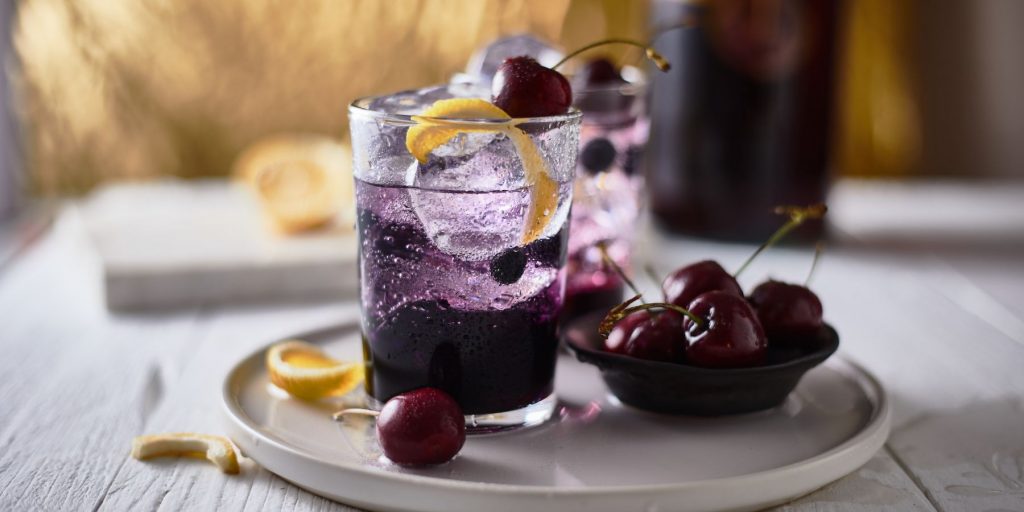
(606, 200)
(462, 250)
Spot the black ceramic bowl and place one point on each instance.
(683, 389)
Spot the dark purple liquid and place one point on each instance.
(424, 325)
(741, 123)
(489, 361)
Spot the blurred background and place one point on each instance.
(105, 90)
(102, 91)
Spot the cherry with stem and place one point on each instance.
(797, 215)
(419, 427)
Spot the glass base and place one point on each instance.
(532, 415)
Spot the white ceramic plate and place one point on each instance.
(596, 455)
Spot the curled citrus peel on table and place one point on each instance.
(440, 123)
(216, 449)
(305, 372)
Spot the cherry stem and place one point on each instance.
(818, 248)
(340, 415)
(607, 259)
(623, 310)
(797, 216)
(664, 305)
(651, 53)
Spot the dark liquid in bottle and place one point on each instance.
(741, 123)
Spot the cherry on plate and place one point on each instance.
(421, 427)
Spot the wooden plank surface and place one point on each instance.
(940, 325)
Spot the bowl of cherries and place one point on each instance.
(709, 349)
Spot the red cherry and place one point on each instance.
(789, 313)
(599, 71)
(729, 335)
(524, 88)
(623, 331)
(660, 338)
(686, 283)
(423, 426)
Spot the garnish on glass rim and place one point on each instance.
(431, 133)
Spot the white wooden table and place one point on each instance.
(924, 282)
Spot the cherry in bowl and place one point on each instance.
(685, 389)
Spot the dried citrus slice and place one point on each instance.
(306, 372)
(431, 133)
(301, 181)
(216, 449)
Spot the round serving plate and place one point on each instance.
(595, 455)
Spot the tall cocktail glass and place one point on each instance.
(462, 253)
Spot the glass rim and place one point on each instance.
(360, 107)
(629, 88)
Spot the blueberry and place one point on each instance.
(508, 267)
(598, 155)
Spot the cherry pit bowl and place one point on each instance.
(673, 388)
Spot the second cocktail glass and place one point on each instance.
(462, 253)
(607, 197)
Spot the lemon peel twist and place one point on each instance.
(446, 119)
